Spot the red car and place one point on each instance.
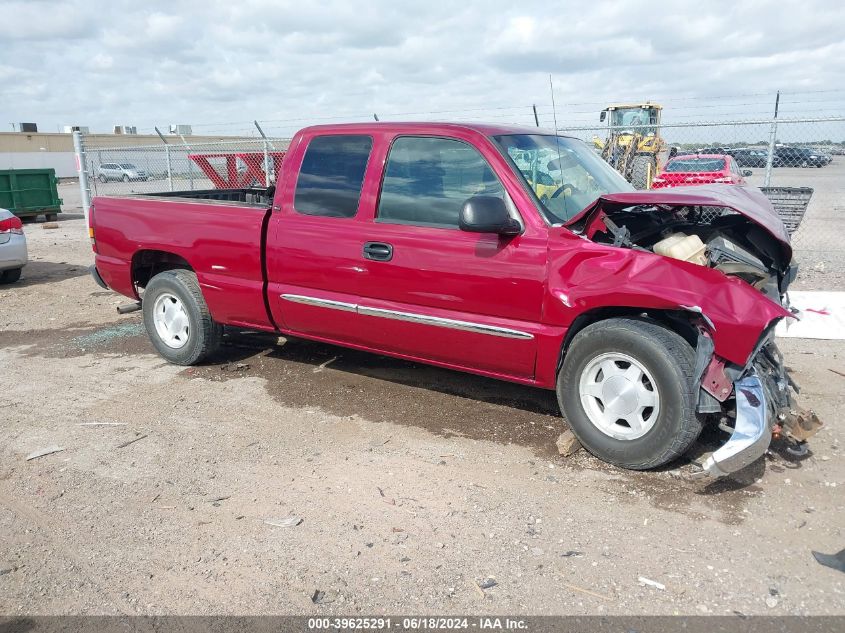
(700, 169)
(426, 241)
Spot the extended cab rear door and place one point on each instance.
(313, 248)
(432, 291)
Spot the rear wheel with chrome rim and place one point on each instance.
(626, 390)
(177, 318)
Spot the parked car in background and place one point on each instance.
(714, 150)
(700, 169)
(801, 157)
(746, 157)
(13, 256)
(120, 171)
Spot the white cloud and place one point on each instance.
(156, 62)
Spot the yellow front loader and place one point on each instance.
(633, 145)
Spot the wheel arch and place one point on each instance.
(679, 321)
(147, 263)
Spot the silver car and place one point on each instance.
(13, 256)
(120, 171)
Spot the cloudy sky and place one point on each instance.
(219, 64)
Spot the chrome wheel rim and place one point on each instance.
(171, 320)
(619, 396)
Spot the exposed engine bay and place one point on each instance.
(715, 237)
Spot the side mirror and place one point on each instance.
(747, 172)
(602, 116)
(487, 214)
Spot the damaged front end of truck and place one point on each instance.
(724, 261)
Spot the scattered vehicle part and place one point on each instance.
(44, 452)
(648, 582)
(487, 583)
(288, 522)
(103, 423)
(428, 242)
(132, 441)
(834, 561)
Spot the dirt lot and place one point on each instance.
(412, 483)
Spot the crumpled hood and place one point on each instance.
(745, 200)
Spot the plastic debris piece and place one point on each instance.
(834, 561)
(651, 583)
(288, 522)
(44, 451)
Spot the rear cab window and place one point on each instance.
(332, 174)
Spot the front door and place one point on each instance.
(434, 292)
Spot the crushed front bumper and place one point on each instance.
(765, 408)
(752, 432)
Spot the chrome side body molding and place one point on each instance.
(452, 324)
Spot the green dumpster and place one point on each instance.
(30, 192)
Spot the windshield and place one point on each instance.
(563, 173)
(687, 165)
(127, 165)
(641, 120)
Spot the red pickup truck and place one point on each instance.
(651, 313)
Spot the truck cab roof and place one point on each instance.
(422, 127)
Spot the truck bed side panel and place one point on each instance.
(221, 242)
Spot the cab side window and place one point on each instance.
(427, 180)
(332, 174)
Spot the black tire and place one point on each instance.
(639, 171)
(203, 333)
(125, 178)
(10, 276)
(670, 361)
(102, 178)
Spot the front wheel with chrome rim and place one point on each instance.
(177, 318)
(626, 391)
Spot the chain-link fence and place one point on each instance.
(127, 170)
(798, 163)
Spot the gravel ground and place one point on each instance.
(409, 485)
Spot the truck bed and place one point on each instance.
(249, 196)
(218, 233)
